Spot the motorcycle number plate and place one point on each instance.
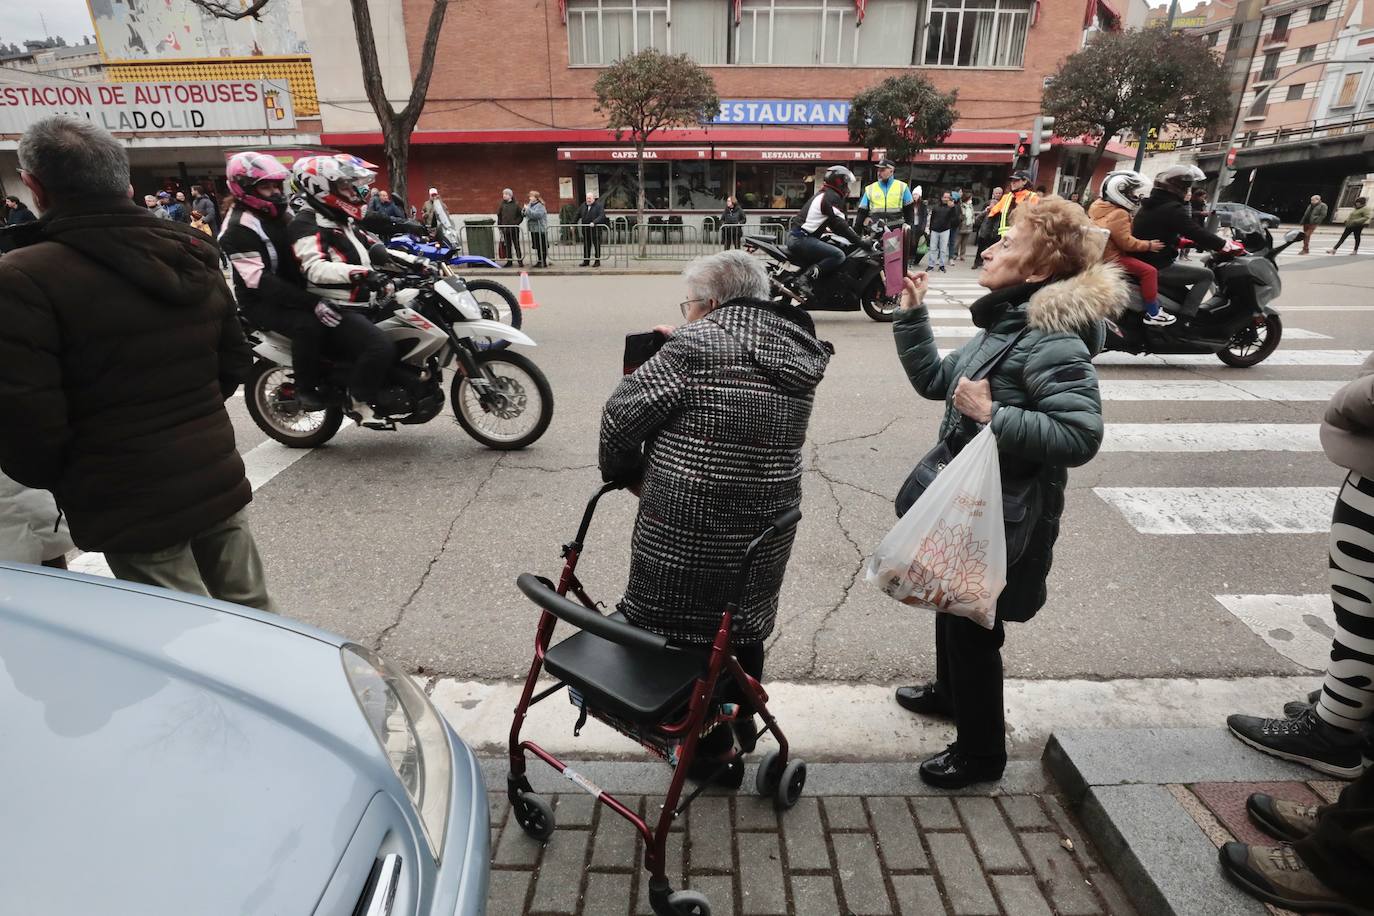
(458, 296)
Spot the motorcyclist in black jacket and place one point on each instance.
(1165, 216)
(823, 212)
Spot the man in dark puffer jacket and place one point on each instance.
(119, 344)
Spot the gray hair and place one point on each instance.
(725, 276)
(71, 157)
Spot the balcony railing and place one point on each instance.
(1289, 133)
(1276, 37)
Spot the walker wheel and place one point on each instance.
(689, 903)
(534, 815)
(790, 787)
(768, 776)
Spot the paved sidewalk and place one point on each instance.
(864, 839)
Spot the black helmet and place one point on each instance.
(1177, 179)
(886, 163)
(1022, 174)
(839, 178)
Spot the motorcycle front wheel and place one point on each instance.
(270, 395)
(497, 302)
(1252, 344)
(515, 412)
(881, 307)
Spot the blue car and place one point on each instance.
(164, 754)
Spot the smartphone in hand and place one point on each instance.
(640, 347)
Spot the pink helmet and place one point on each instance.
(245, 170)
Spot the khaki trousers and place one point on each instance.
(220, 562)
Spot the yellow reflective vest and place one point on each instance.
(889, 201)
(1009, 202)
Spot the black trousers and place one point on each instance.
(1348, 231)
(968, 670)
(539, 241)
(750, 657)
(730, 235)
(510, 235)
(591, 239)
(306, 333)
(358, 339)
(1341, 850)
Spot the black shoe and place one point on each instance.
(309, 400)
(1305, 739)
(587, 264)
(746, 730)
(950, 769)
(596, 263)
(1282, 819)
(510, 263)
(725, 774)
(1297, 707)
(925, 700)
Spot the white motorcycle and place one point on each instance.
(499, 397)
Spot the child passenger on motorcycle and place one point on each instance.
(1122, 193)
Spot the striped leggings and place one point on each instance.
(1347, 700)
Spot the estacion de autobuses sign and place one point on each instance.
(231, 105)
(778, 154)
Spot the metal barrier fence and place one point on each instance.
(620, 243)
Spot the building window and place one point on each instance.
(1281, 27)
(697, 185)
(1350, 86)
(1295, 92)
(1270, 70)
(603, 31)
(888, 34)
(798, 33)
(701, 30)
(617, 184)
(1350, 193)
(1259, 107)
(977, 33)
(773, 187)
(1318, 12)
(1213, 38)
(1306, 54)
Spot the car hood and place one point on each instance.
(166, 754)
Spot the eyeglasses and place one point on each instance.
(686, 303)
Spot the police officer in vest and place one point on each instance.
(891, 201)
(1020, 195)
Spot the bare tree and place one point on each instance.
(232, 9)
(396, 125)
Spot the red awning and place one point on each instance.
(612, 153)
(777, 136)
(777, 154)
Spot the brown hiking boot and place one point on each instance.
(1276, 874)
(1281, 819)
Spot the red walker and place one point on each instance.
(660, 695)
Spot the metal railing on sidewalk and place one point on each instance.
(621, 243)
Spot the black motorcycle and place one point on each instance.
(1237, 322)
(857, 284)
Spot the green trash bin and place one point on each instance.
(481, 237)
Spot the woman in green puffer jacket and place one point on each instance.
(1044, 407)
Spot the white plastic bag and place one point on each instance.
(949, 552)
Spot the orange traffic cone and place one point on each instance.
(526, 294)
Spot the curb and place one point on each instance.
(1121, 782)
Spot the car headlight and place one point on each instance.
(412, 735)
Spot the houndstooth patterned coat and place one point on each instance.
(715, 423)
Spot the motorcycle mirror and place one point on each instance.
(1292, 235)
(378, 254)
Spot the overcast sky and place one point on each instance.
(19, 19)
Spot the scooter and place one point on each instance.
(1238, 322)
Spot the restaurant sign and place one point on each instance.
(234, 105)
(822, 112)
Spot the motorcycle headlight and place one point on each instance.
(412, 735)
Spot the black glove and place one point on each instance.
(377, 281)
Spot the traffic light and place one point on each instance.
(1023, 154)
(1042, 132)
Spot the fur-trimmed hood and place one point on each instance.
(1079, 304)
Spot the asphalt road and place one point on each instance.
(411, 541)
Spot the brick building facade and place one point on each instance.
(511, 102)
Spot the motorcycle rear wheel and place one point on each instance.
(496, 300)
(523, 394)
(1252, 346)
(268, 396)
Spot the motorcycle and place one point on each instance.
(500, 398)
(857, 284)
(444, 252)
(1237, 323)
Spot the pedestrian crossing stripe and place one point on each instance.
(1298, 627)
(1278, 358)
(1211, 437)
(1300, 334)
(1223, 510)
(1213, 390)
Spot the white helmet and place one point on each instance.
(1177, 179)
(334, 185)
(1126, 189)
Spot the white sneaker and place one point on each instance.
(1161, 319)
